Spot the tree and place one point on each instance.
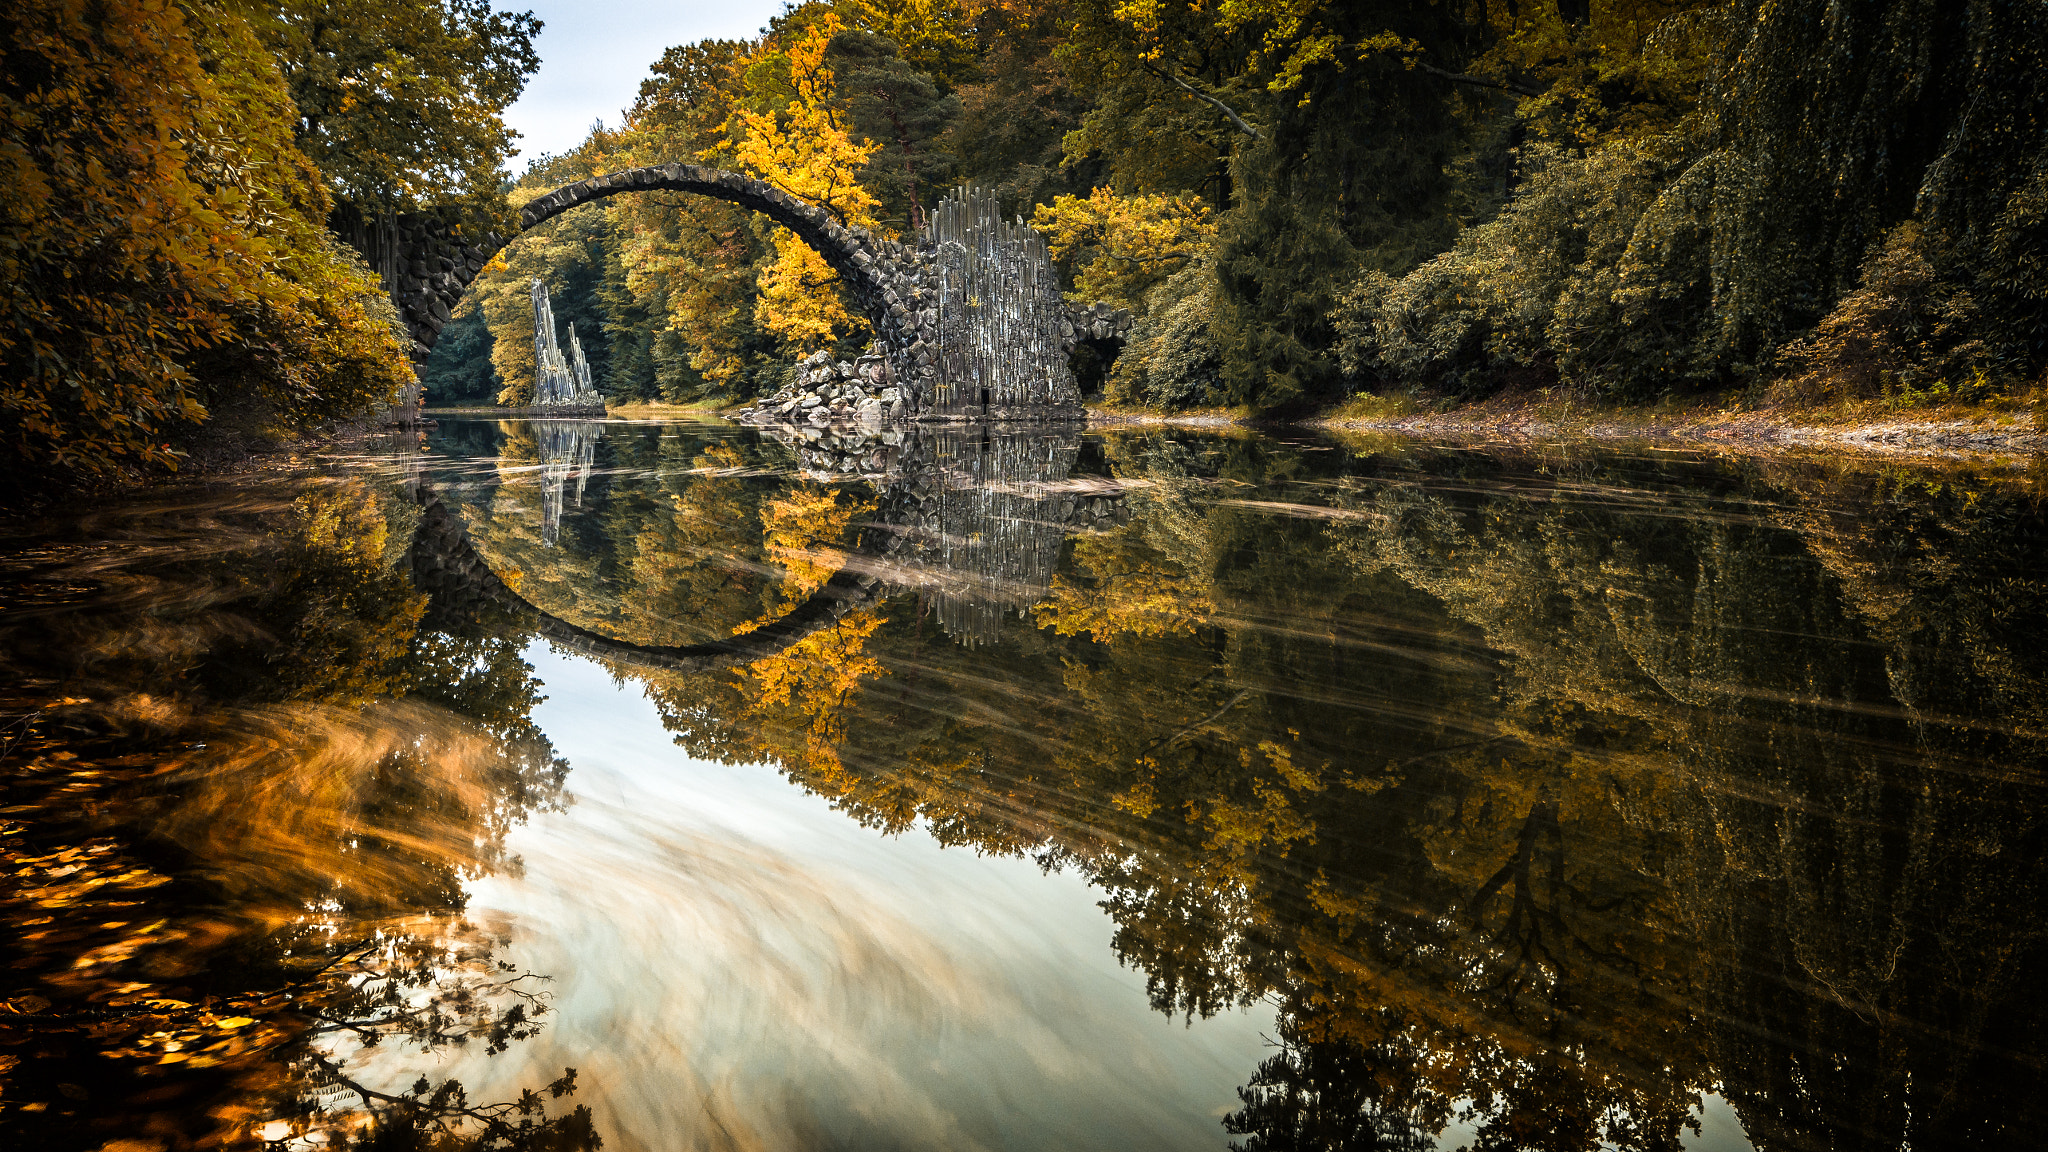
(461, 368)
(802, 149)
(400, 101)
(1020, 106)
(694, 264)
(890, 104)
(1118, 248)
(161, 241)
(935, 37)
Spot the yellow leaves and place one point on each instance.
(802, 532)
(803, 695)
(1123, 585)
(1123, 245)
(1140, 800)
(163, 221)
(1271, 824)
(802, 150)
(799, 297)
(819, 672)
(1281, 759)
(935, 36)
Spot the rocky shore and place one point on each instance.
(861, 391)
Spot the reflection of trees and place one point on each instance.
(1323, 1090)
(1550, 795)
(294, 818)
(1563, 797)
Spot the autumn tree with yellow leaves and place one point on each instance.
(802, 149)
(162, 242)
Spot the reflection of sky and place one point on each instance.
(737, 965)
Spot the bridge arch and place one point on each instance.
(429, 269)
(967, 313)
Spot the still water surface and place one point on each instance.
(1028, 790)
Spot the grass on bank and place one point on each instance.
(1564, 409)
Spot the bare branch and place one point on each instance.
(1481, 81)
(1204, 97)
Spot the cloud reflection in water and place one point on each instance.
(738, 966)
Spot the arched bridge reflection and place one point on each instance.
(973, 521)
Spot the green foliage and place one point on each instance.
(399, 101)
(1545, 801)
(569, 255)
(889, 103)
(1170, 359)
(1905, 332)
(1594, 273)
(1747, 235)
(1295, 239)
(1019, 108)
(460, 371)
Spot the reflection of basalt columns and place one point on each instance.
(566, 447)
(978, 518)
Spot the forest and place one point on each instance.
(1302, 201)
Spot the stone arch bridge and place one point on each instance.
(967, 316)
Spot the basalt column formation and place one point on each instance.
(561, 383)
(988, 333)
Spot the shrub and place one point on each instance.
(1904, 332)
(1170, 358)
(1596, 272)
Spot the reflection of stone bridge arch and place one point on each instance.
(448, 567)
(974, 524)
(968, 314)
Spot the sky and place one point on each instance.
(593, 55)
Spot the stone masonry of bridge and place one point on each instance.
(967, 316)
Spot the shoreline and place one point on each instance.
(1931, 434)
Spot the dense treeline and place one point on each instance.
(1305, 201)
(1301, 201)
(170, 176)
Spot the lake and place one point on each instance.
(685, 786)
